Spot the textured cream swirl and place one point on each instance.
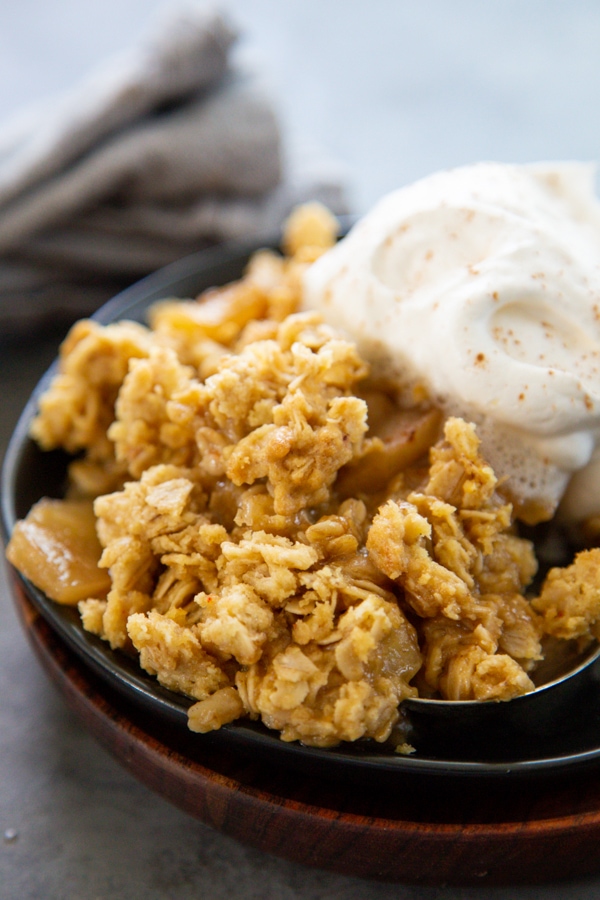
(483, 285)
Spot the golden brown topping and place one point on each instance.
(77, 409)
(310, 226)
(570, 598)
(143, 433)
(260, 551)
(175, 655)
(397, 544)
(462, 663)
(218, 709)
(344, 690)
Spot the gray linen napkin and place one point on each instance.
(158, 153)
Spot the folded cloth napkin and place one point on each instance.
(157, 154)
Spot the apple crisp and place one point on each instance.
(278, 536)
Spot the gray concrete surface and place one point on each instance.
(393, 89)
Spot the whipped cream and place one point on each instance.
(482, 284)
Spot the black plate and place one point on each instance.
(29, 474)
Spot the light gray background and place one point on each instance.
(393, 90)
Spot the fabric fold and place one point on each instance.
(166, 149)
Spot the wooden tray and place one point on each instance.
(461, 832)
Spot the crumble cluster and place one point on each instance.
(284, 540)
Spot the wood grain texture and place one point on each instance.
(459, 832)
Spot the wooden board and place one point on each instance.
(459, 832)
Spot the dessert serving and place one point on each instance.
(281, 499)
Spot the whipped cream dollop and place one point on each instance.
(482, 285)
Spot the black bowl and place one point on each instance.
(446, 748)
